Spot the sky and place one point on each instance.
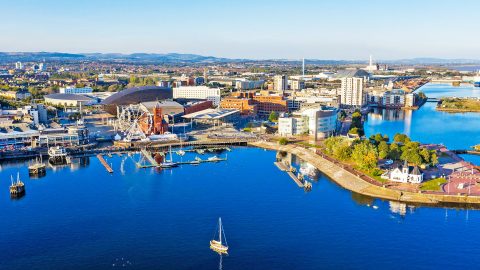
(254, 29)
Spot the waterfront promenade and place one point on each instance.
(362, 184)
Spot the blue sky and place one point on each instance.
(335, 29)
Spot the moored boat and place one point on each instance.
(17, 188)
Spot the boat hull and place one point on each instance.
(218, 247)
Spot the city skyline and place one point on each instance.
(253, 30)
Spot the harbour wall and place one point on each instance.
(355, 183)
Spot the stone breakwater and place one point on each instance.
(352, 182)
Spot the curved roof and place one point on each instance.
(68, 97)
(139, 94)
(136, 95)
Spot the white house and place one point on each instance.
(404, 174)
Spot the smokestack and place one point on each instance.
(303, 68)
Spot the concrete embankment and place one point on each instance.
(356, 184)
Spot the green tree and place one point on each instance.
(354, 131)
(365, 155)
(425, 155)
(383, 150)
(395, 151)
(356, 120)
(433, 158)
(400, 138)
(283, 141)
(273, 117)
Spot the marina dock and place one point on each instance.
(295, 178)
(104, 163)
(281, 166)
(284, 168)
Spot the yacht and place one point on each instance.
(218, 245)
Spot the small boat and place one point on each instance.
(37, 168)
(198, 159)
(181, 153)
(200, 151)
(195, 162)
(214, 159)
(217, 245)
(57, 151)
(57, 155)
(169, 163)
(109, 155)
(307, 186)
(17, 189)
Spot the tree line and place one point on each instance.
(366, 153)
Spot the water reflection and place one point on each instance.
(379, 114)
(400, 208)
(75, 164)
(304, 168)
(363, 200)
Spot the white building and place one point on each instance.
(68, 100)
(280, 83)
(404, 174)
(76, 91)
(18, 65)
(294, 125)
(351, 91)
(317, 122)
(297, 85)
(248, 85)
(198, 92)
(298, 102)
(371, 66)
(387, 99)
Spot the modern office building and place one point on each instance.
(198, 92)
(351, 92)
(318, 123)
(280, 83)
(249, 85)
(386, 99)
(297, 85)
(76, 91)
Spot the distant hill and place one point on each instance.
(179, 58)
(134, 57)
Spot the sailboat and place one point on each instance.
(218, 246)
(169, 163)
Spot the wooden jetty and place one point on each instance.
(295, 178)
(281, 166)
(104, 163)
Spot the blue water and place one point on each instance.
(455, 130)
(85, 218)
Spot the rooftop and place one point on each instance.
(69, 97)
(212, 114)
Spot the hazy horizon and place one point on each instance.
(344, 30)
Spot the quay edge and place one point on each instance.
(355, 184)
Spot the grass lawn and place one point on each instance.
(378, 178)
(461, 104)
(433, 184)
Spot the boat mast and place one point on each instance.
(220, 229)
